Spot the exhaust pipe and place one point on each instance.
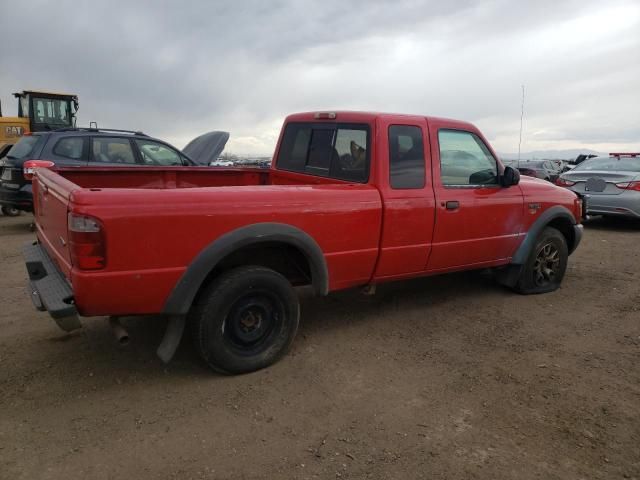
(122, 336)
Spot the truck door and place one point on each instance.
(478, 222)
(408, 199)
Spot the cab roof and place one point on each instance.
(43, 92)
(348, 116)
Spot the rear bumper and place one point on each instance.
(48, 289)
(625, 204)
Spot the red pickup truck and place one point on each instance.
(352, 199)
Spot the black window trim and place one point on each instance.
(331, 126)
(465, 186)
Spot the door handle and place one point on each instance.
(452, 204)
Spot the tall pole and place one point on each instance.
(521, 116)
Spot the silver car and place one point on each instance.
(545, 169)
(611, 184)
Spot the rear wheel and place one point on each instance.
(245, 320)
(546, 265)
(10, 211)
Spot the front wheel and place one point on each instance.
(245, 320)
(546, 265)
(10, 211)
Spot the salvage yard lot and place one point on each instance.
(444, 377)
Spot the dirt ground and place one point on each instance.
(447, 377)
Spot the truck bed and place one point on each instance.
(157, 220)
(185, 177)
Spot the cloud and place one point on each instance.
(177, 69)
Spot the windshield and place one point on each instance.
(25, 147)
(615, 164)
(51, 111)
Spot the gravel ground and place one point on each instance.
(445, 377)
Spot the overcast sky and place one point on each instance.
(178, 69)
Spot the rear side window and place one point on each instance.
(338, 151)
(406, 157)
(26, 147)
(69, 147)
(320, 151)
(112, 150)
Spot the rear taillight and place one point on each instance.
(629, 186)
(29, 167)
(86, 242)
(563, 182)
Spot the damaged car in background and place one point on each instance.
(610, 184)
(544, 169)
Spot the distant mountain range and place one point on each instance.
(569, 154)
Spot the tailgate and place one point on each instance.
(51, 194)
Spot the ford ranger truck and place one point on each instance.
(352, 199)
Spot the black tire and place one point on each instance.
(546, 265)
(10, 211)
(245, 320)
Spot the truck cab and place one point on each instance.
(441, 185)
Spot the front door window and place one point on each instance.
(465, 161)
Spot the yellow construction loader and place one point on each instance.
(37, 111)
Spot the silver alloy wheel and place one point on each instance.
(546, 265)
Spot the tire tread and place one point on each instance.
(214, 293)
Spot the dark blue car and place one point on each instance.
(83, 147)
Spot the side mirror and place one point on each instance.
(510, 177)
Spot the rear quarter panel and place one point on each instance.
(153, 235)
